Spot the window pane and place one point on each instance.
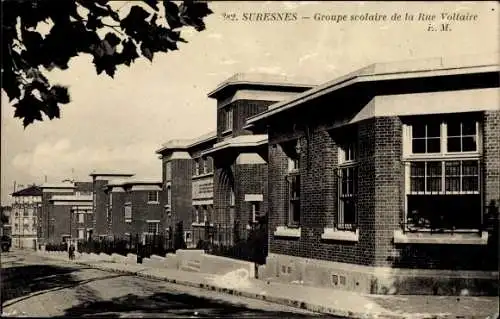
(469, 127)
(454, 144)
(295, 212)
(418, 169)
(433, 145)
(434, 130)
(452, 168)
(433, 169)
(453, 128)
(452, 184)
(469, 144)
(434, 184)
(349, 211)
(470, 168)
(418, 145)
(418, 130)
(417, 184)
(470, 183)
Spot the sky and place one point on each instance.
(117, 124)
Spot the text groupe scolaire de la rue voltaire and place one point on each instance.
(361, 17)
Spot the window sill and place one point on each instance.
(202, 175)
(340, 235)
(128, 220)
(153, 203)
(447, 238)
(283, 231)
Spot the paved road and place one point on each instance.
(36, 286)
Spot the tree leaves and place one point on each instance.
(24, 52)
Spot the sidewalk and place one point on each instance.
(326, 301)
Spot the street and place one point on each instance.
(36, 286)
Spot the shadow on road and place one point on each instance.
(173, 304)
(31, 280)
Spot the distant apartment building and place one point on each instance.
(51, 227)
(239, 156)
(5, 226)
(99, 200)
(220, 179)
(73, 217)
(188, 186)
(387, 179)
(26, 207)
(134, 207)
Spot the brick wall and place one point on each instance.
(118, 225)
(61, 215)
(249, 179)
(181, 207)
(101, 223)
(242, 109)
(318, 162)
(142, 211)
(380, 198)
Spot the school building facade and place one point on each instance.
(387, 180)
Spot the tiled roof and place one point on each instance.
(33, 190)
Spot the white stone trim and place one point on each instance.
(258, 95)
(152, 220)
(117, 190)
(72, 203)
(200, 176)
(58, 190)
(254, 198)
(443, 238)
(249, 158)
(153, 203)
(197, 202)
(283, 231)
(201, 224)
(128, 221)
(178, 155)
(146, 188)
(340, 235)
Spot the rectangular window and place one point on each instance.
(196, 213)
(128, 213)
(255, 212)
(168, 171)
(81, 218)
(26, 212)
(153, 227)
(426, 138)
(232, 198)
(347, 195)
(205, 214)
(169, 195)
(294, 200)
(455, 135)
(461, 135)
(153, 197)
(196, 165)
(205, 165)
(228, 119)
(444, 177)
(347, 187)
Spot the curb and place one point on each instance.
(277, 300)
(295, 303)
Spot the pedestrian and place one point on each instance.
(72, 251)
